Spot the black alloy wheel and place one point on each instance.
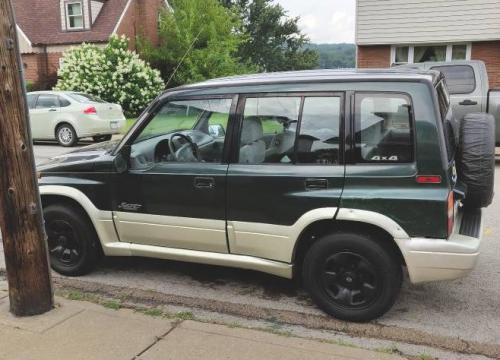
(65, 246)
(350, 280)
(72, 241)
(352, 276)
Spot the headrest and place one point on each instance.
(251, 131)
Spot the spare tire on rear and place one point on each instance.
(476, 159)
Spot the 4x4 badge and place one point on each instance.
(129, 207)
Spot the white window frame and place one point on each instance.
(411, 51)
(66, 8)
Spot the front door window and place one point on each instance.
(183, 131)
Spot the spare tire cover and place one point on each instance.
(476, 158)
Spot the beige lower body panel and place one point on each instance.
(203, 257)
(269, 241)
(440, 259)
(172, 231)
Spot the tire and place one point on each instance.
(66, 135)
(73, 245)
(352, 277)
(476, 159)
(102, 138)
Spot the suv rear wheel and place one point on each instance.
(73, 243)
(352, 277)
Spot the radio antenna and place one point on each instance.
(182, 59)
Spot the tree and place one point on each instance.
(335, 56)
(199, 40)
(112, 73)
(275, 42)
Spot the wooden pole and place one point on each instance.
(21, 218)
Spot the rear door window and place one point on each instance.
(460, 79)
(47, 101)
(291, 129)
(383, 128)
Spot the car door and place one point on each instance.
(465, 94)
(287, 170)
(42, 116)
(170, 197)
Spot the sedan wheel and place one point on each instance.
(66, 135)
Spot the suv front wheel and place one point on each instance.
(352, 277)
(73, 245)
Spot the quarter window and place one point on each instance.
(459, 78)
(63, 102)
(74, 15)
(383, 128)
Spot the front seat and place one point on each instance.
(252, 146)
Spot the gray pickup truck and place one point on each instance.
(468, 85)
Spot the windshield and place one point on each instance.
(85, 98)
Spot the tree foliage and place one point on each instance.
(275, 42)
(113, 73)
(199, 40)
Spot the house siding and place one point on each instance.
(426, 21)
(374, 56)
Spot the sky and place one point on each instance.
(324, 21)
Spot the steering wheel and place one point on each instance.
(191, 143)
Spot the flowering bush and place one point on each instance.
(113, 73)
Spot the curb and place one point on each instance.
(133, 297)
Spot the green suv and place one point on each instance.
(339, 179)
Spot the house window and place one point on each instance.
(74, 15)
(411, 54)
(429, 53)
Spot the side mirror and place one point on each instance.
(216, 130)
(121, 162)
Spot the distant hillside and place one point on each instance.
(334, 56)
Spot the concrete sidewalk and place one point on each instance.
(83, 330)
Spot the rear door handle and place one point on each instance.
(468, 103)
(52, 109)
(204, 182)
(316, 184)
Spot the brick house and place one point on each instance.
(46, 28)
(399, 31)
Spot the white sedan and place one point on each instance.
(68, 116)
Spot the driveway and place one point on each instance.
(467, 308)
(45, 150)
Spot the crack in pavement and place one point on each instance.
(311, 321)
(175, 324)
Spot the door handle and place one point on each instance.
(468, 103)
(52, 109)
(204, 182)
(316, 184)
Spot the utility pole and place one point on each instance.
(21, 218)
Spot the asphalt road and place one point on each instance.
(467, 308)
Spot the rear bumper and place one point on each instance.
(445, 259)
(96, 127)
